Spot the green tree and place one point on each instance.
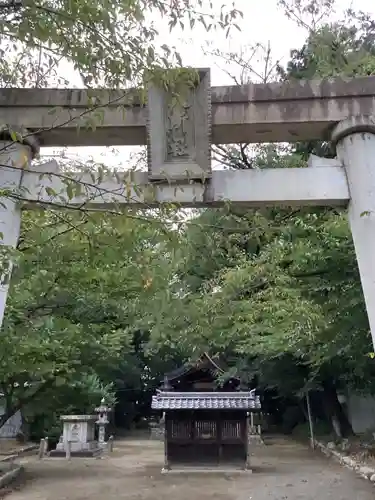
(109, 43)
(76, 294)
(342, 48)
(281, 287)
(82, 280)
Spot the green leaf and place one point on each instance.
(69, 191)
(50, 191)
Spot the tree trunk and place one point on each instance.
(11, 409)
(334, 411)
(6, 416)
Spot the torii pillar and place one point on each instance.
(15, 157)
(355, 139)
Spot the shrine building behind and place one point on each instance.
(206, 422)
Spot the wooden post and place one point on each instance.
(67, 449)
(42, 447)
(166, 461)
(247, 457)
(46, 445)
(312, 439)
(110, 444)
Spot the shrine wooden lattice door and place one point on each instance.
(210, 437)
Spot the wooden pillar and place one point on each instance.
(247, 455)
(166, 457)
(312, 439)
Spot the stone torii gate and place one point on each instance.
(179, 142)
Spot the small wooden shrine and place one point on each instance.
(206, 424)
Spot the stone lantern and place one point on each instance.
(103, 410)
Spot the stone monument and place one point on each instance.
(79, 432)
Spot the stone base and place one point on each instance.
(79, 453)
(186, 469)
(78, 446)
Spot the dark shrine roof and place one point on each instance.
(214, 364)
(239, 400)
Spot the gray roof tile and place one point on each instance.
(205, 401)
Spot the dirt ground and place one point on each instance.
(282, 470)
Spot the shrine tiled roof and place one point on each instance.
(205, 401)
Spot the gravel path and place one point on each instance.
(283, 470)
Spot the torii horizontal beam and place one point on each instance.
(323, 185)
(274, 112)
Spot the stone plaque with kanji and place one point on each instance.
(179, 133)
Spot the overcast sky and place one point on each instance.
(264, 22)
